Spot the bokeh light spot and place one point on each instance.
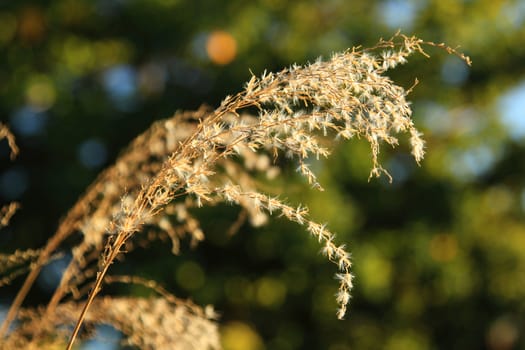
(190, 276)
(407, 339)
(92, 153)
(410, 302)
(198, 46)
(270, 292)
(512, 106)
(221, 47)
(375, 273)
(454, 71)
(111, 51)
(468, 163)
(120, 83)
(32, 25)
(514, 12)
(502, 334)
(77, 55)
(51, 273)
(397, 13)
(400, 167)
(28, 121)
(13, 183)
(41, 93)
(436, 117)
(239, 336)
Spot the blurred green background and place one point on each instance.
(439, 254)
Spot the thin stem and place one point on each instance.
(115, 249)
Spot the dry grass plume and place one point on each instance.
(203, 158)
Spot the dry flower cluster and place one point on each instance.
(203, 158)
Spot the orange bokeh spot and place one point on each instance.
(221, 47)
(32, 25)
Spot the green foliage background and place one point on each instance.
(439, 255)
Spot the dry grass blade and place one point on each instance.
(14, 264)
(7, 134)
(7, 212)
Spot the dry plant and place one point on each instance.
(204, 158)
(8, 210)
